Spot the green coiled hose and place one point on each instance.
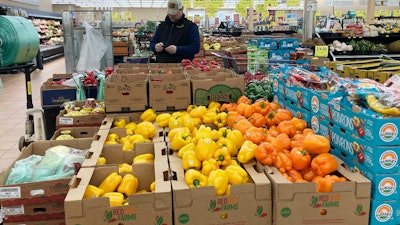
(19, 41)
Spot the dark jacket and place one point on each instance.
(184, 34)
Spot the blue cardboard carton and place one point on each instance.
(298, 111)
(280, 99)
(289, 43)
(384, 186)
(54, 93)
(365, 123)
(267, 43)
(385, 212)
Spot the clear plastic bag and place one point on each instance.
(22, 170)
(94, 47)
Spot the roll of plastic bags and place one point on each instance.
(19, 41)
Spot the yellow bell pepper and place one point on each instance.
(205, 149)
(221, 119)
(136, 138)
(174, 131)
(209, 165)
(236, 137)
(146, 129)
(162, 119)
(130, 128)
(190, 108)
(128, 185)
(201, 132)
(127, 146)
(189, 147)
(208, 117)
(236, 174)
(179, 113)
(228, 189)
(175, 122)
(197, 122)
(153, 186)
(144, 158)
(187, 121)
(148, 115)
(92, 192)
(219, 179)
(101, 161)
(223, 132)
(214, 104)
(198, 111)
(116, 198)
(141, 191)
(190, 161)
(179, 140)
(222, 156)
(194, 178)
(124, 168)
(246, 152)
(224, 142)
(214, 134)
(112, 138)
(119, 122)
(111, 182)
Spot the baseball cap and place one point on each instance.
(174, 6)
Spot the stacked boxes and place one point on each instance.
(367, 143)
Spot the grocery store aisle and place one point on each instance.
(13, 107)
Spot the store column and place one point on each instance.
(310, 6)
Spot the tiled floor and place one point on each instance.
(13, 107)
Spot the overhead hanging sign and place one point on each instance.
(216, 3)
(271, 3)
(338, 14)
(246, 3)
(199, 3)
(292, 3)
(186, 3)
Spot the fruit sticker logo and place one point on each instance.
(314, 104)
(388, 159)
(223, 205)
(315, 124)
(325, 201)
(383, 213)
(387, 186)
(159, 221)
(388, 132)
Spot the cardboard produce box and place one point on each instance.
(299, 203)
(143, 208)
(41, 222)
(53, 93)
(65, 120)
(248, 203)
(125, 93)
(115, 155)
(169, 92)
(219, 85)
(34, 213)
(38, 192)
(77, 132)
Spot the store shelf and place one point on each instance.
(51, 52)
(356, 57)
(382, 38)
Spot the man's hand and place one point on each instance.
(159, 47)
(171, 49)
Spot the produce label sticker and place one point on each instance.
(66, 121)
(321, 51)
(10, 192)
(14, 210)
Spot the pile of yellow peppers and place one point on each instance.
(126, 167)
(117, 188)
(210, 157)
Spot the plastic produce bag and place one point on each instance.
(22, 170)
(94, 47)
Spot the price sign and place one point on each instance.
(271, 3)
(186, 3)
(126, 16)
(279, 14)
(199, 3)
(317, 13)
(260, 7)
(360, 14)
(396, 13)
(338, 14)
(246, 3)
(293, 3)
(321, 51)
(388, 13)
(377, 14)
(217, 3)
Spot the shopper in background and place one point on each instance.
(176, 38)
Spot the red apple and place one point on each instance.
(213, 62)
(205, 68)
(185, 62)
(189, 67)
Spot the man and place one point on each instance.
(176, 38)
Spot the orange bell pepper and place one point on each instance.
(316, 144)
(265, 153)
(324, 164)
(301, 159)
